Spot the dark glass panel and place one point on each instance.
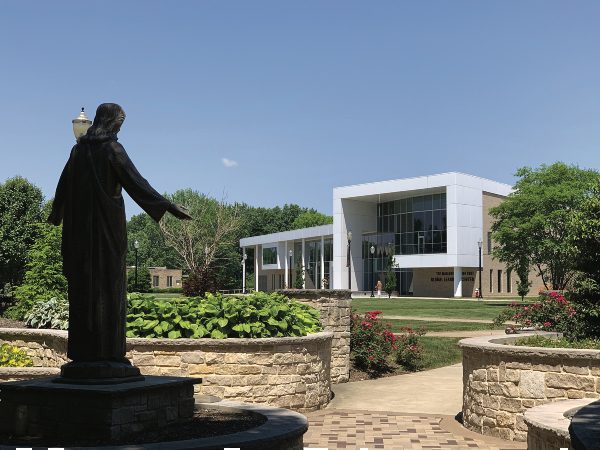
(418, 221)
(409, 205)
(443, 200)
(385, 228)
(390, 208)
(437, 220)
(403, 205)
(397, 207)
(444, 219)
(444, 236)
(437, 247)
(409, 223)
(437, 236)
(385, 209)
(399, 222)
(428, 248)
(409, 238)
(427, 220)
(428, 202)
(417, 204)
(379, 210)
(437, 201)
(379, 224)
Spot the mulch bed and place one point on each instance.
(360, 375)
(205, 423)
(9, 323)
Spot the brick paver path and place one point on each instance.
(353, 430)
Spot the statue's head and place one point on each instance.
(108, 120)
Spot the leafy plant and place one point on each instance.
(410, 352)
(11, 356)
(542, 341)
(53, 313)
(219, 317)
(203, 280)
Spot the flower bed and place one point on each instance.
(501, 382)
(289, 372)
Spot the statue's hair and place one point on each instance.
(108, 120)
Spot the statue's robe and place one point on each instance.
(94, 243)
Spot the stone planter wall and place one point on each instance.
(501, 382)
(47, 348)
(335, 317)
(27, 373)
(290, 372)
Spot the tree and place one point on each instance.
(308, 220)
(585, 238)
(299, 281)
(144, 280)
(390, 276)
(20, 208)
(531, 226)
(152, 251)
(523, 286)
(44, 278)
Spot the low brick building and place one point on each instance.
(163, 278)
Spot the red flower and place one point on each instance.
(547, 324)
(372, 357)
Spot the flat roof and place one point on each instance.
(292, 235)
(388, 190)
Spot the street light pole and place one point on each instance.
(349, 236)
(372, 274)
(244, 272)
(136, 244)
(290, 274)
(480, 245)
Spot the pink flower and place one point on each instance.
(372, 357)
(547, 324)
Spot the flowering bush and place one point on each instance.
(551, 312)
(409, 351)
(12, 356)
(372, 344)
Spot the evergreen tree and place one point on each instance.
(44, 278)
(390, 276)
(299, 281)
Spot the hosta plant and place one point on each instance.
(219, 317)
(11, 356)
(53, 313)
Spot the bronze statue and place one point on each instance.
(94, 244)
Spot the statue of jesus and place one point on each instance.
(88, 202)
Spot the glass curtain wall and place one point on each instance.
(296, 260)
(417, 223)
(384, 245)
(313, 265)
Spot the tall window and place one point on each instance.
(269, 255)
(491, 280)
(489, 242)
(417, 224)
(155, 281)
(500, 281)
(508, 281)
(169, 282)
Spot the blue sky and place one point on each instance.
(301, 97)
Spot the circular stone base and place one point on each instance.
(98, 372)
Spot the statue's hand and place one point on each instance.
(179, 211)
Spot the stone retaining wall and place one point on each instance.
(501, 382)
(290, 372)
(27, 373)
(335, 317)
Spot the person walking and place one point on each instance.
(379, 287)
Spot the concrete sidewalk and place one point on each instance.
(437, 391)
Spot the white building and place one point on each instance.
(432, 225)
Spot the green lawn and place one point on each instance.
(440, 351)
(161, 295)
(437, 326)
(420, 307)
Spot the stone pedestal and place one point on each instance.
(40, 407)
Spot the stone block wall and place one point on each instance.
(335, 317)
(501, 382)
(290, 372)
(27, 373)
(47, 348)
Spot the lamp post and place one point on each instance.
(372, 274)
(244, 258)
(136, 245)
(290, 275)
(349, 236)
(480, 245)
(80, 125)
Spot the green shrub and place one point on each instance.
(11, 356)
(218, 316)
(51, 314)
(171, 290)
(541, 341)
(144, 280)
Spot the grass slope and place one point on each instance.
(397, 324)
